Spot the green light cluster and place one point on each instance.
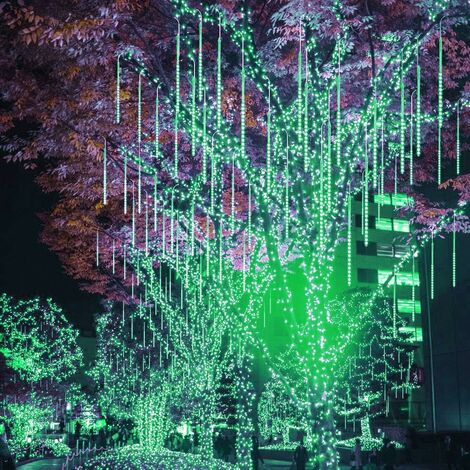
(37, 340)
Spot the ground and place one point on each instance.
(52, 464)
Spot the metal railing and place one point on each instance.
(76, 459)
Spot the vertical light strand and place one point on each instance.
(220, 249)
(299, 89)
(338, 109)
(192, 227)
(382, 162)
(155, 201)
(413, 284)
(394, 303)
(146, 226)
(193, 111)
(124, 256)
(268, 142)
(125, 182)
(249, 213)
(200, 71)
(287, 187)
(157, 123)
(440, 89)
(204, 138)
(172, 219)
(118, 90)
(402, 118)
(457, 145)
(322, 184)
(133, 216)
(97, 248)
(374, 142)
(328, 160)
(349, 268)
(366, 190)
(244, 261)
(177, 97)
(418, 106)
(432, 266)
(242, 105)
(219, 77)
(411, 140)
(306, 129)
(139, 140)
(454, 257)
(105, 176)
(113, 257)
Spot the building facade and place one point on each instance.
(375, 251)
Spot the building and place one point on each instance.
(446, 323)
(375, 250)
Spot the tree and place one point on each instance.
(37, 340)
(254, 150)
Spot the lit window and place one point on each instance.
(382, 198)
(400, 200)
(384, 224)
(403, 278)
(384, 249)
(415, 333)
(400, 250)
(400, 225)
(406, 306)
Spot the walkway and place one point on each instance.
(44, 464)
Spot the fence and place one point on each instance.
(76, 459)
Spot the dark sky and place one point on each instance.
(27, 267)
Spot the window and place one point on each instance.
(400, 200)
(391, 250)
(383, 199)
(397, 200)
(369, 250)
(384, 224)
(397, 225)
(415, 333)
(403, 278)
(358, 221)
(367, 275)
(400, 225)
(406, 306)
(385, 249)
(400, 250)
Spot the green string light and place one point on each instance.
(432, 266)
(219, 77)
(418, 106)
(440, 90)
(118, 90)
(243, 106)
(200, 71)
(457, 145)
(105, 183)
(299, 89)
(454, 257)
(349, 248)
(157, 125)
(177, 97)
(402, 119)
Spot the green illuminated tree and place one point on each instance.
(37, 340)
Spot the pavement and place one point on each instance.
(43, 464)
(55, 464)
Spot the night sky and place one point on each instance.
(28, 268)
